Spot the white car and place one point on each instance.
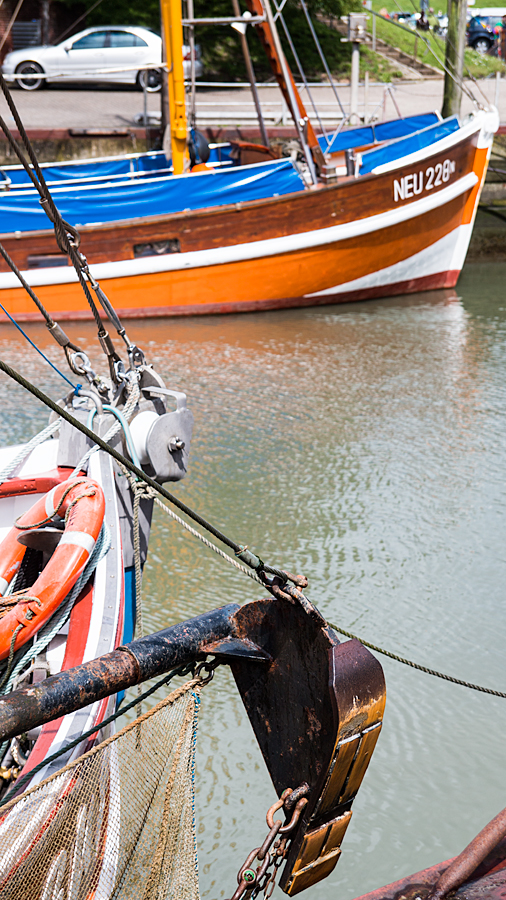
(113, 53)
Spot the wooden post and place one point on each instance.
(355, 74)
(455, 45)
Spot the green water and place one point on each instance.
(364, 446)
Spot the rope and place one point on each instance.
(142, 476)
(11, 654)
(48, 519)
(142, 490)
(233, 562)
(158, 489)
(408, 662)
(133, 398)
(26, 449)
(182, 670)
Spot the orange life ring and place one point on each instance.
(81, 501)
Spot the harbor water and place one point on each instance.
(363, 445)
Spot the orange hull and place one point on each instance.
(358, 238)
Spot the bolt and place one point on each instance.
(176, 443)
(249, 875)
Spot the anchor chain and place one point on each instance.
(254, 879)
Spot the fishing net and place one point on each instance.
(116, 824)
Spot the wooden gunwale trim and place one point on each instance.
(232, 224)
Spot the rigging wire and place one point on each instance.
(240, 550)
(10, 262)
(66, 236)
(68, 240)
(425, 41)
(44, 357)
(322, 55)
(279, 14)
(55, 330)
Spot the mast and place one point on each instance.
(269, 37)
(249, 69)
(173, 36)
(455, 46)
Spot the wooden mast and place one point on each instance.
(270, 41)
(455, 46)
(173, 35)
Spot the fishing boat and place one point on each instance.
(81, 818)
(74, 536)
(364, 212)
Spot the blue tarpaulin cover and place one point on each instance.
(403, 147)
(20, 210)
(108, 168)
(382, 131)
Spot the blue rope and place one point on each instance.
(36, 348)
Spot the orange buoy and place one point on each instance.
(81, 502)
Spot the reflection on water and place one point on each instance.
(363, 445)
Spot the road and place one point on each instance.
(116, 109)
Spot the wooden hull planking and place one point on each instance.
(397, 231)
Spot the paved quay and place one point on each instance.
(115, 109)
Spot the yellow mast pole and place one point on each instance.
(173, 34)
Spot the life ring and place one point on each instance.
(81, 502)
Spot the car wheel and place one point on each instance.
(31, 72)
(150, 80)
(482, 46)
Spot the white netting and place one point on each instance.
(116, 824)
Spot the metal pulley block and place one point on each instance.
(164, 441)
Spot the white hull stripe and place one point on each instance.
(3, 586)
(254, 249)
(447, 254)
(78, 539)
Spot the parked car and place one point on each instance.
(113, 54)
(482, 33)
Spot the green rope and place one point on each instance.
(11, 654)
(182, 670)
(408, 662)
